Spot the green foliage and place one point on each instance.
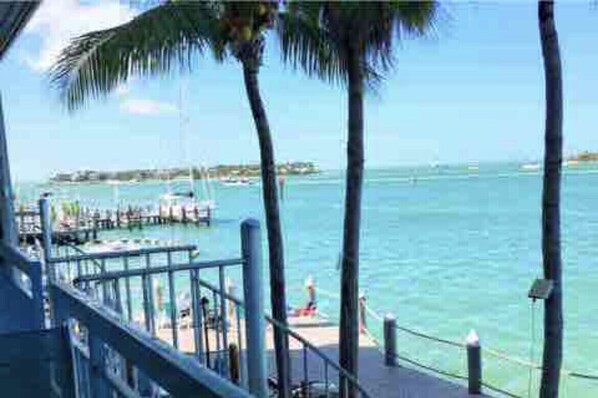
(157, 41)
(318, 36)
(154, 42)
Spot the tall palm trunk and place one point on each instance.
(349, 331)
(551, 233)
(275, 244)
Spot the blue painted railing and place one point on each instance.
(103, 347)
(21, 293)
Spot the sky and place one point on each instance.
(472, 91)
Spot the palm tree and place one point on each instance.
(350, 42)
(551, 192)
(171, 35)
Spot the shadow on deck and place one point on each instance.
(380, 381)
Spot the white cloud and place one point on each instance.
(147, 107)
(58, 21)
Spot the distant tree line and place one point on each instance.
(220, 171)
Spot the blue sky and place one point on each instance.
(472, 92)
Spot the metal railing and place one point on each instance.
(107, 352)
(222, 332)
(26, 276)
(217, 328)
(305, 383)
(113, 277)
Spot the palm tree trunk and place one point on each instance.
(275, 244)
(349, 332)
(551, 234)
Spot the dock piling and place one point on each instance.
(390, 340)
(474, 363)
(46, 238)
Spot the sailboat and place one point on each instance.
(185, 205)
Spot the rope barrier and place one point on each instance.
(416, 333)
(431, 369)
(507, 358)
(497, 354)
(500, 390)
(582, 376)
(373, 314)
(428, 337)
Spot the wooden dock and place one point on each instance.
(85, 227)
(379, 381)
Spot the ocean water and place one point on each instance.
(445, 250)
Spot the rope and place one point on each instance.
(497, 354)
(507, 358)
(500, 390)
(432, 369)
(373, 314)
(427, 336)
(378, 317)
(582, 375)
(371, 337)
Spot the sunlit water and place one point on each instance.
(446, 250)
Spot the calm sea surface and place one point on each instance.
(445, 249)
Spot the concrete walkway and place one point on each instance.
(377, 379)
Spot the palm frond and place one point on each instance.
(305, 45)
(154, 42)
(316, 36)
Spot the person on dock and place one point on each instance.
(310, 308)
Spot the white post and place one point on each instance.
(251, 250)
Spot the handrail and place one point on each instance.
(123, 253)
(108, 275)
(175, 372)
(18, 259)
(33, 270)
(285, 328)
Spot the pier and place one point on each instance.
(84, 226)
(378, 379)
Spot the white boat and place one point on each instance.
(236, 182)
(184, 206)
(531, 166)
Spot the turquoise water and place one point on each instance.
(446, 250)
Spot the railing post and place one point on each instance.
(474, 363)
(390, 340)
(37, 290)
(254, 307)
(97, 361)
(46, 227)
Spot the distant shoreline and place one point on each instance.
(585, 156)
(180, 173)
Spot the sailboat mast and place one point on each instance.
(184, 119)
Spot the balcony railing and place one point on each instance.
(116, 318)
(104, 348)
